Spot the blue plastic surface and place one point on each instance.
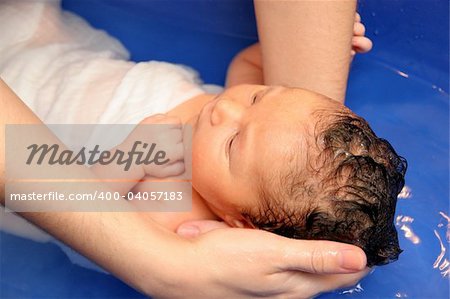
(401, 88)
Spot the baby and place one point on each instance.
(285, 160)
(294, 163)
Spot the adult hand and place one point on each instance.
(243, 263)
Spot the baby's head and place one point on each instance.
(300, 165)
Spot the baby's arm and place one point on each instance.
(246, 67)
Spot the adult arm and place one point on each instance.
(247, 66)
(307, 43)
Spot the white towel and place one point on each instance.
(68, 72)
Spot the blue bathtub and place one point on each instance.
(401, 88)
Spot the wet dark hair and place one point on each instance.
(348, 192)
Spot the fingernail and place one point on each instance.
(351, 260)
(188, 231)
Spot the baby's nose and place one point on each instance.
(226, 110)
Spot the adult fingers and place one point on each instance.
(321, 257)
(340, 281)
(325, 283)
(284, 254)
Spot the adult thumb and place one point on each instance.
(323, 257)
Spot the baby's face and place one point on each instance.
(244, 137)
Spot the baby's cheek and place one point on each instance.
(206, 180)
(200, 172)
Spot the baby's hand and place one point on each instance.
(167, 138)
(360, 43)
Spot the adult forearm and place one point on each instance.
(127, 244)
(307, 43)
